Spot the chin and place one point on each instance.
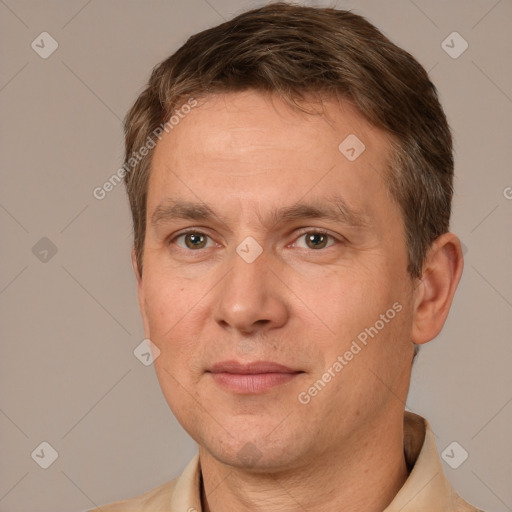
(254, 453)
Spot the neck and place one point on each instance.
(366, 476)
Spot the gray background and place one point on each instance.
(70, 321)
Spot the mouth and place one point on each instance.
(251, 378)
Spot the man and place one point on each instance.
(290, 179)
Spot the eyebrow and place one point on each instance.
(333, 208)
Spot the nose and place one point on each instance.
(251, 298)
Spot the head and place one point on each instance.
(296, 253)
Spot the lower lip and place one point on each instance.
(252, 383)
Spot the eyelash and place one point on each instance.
(305, 232)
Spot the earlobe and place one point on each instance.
(436, 288)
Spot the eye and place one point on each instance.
(315, 239)
(192, 240)
(195, 240)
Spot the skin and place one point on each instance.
(299, 303)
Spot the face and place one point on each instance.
(275, 280)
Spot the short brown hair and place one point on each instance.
(295, 51)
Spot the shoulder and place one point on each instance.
(459, 505)
(156, 500)
(182, 493)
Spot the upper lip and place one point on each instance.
(250, 368)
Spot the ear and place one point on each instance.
(140, 294)
(435, 289)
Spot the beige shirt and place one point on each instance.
(425, 490)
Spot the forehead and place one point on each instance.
(251, 120)
(255, 149)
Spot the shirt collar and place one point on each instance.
(426, 488)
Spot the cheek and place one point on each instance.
(173, 324)
(369, 321)
(344, 301)
(168, 302)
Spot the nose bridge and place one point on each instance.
(247, 280)
(248, 296)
